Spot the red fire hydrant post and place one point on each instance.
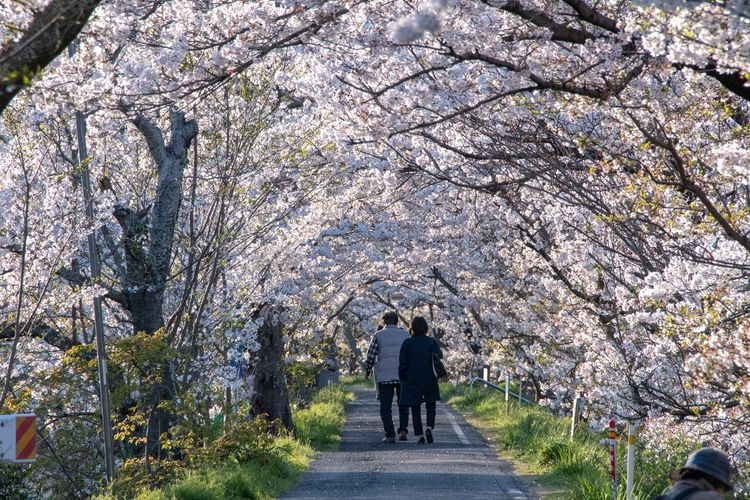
(612, 445)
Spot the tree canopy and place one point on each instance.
(561, 188)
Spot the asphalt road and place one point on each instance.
(458, 465)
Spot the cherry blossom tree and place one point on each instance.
(560, 188)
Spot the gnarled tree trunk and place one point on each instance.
(148, 259)
(270, 395)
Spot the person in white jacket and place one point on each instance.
(382, 356)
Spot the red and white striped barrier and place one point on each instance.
(612, 446)
(18, 438)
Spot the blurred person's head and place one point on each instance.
(390, 318)
(418, 326)
(708, 464)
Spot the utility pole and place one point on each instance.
(95, 268)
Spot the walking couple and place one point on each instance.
(403, 366)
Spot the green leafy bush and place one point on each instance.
(247, 440)
(133, 475)
(300, 380)
(253, 458)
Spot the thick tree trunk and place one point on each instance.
(270, 395)
(356, 361)
(148, 259)
(148, 262)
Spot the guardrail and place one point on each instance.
(575, 416)
(506, 390)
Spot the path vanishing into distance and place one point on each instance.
(459, 464)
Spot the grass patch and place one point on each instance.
(259, 478)
(355, 380)
(539, 443)
(321, 423)
(251, 461)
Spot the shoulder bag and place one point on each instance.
(438, 368)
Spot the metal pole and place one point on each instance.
(94, 267)
(507, 392)
(632, 427)
(612, 445)
(575, 416)
(520, 390)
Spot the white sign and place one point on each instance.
(18, 438)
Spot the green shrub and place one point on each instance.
(237, 485)
(253, 459)
(556, 452)
(300, 379)
(335, 394)
(258, 478)
(133, 476)
(246, 440)
(193, 489)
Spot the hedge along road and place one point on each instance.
(457, 465)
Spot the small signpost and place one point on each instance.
(18, 438)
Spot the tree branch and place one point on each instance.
(42, 331)
(592, 16)
(52, 29)
(560, 32)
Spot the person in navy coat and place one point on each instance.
(418, 382)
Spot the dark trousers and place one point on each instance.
(416, 416)
(386, 392)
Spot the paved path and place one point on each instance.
(457, 465)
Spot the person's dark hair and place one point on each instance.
(390, 318)
(380, 327)
(418, 326)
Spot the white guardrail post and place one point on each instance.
(632, 429)
(507, 392)
(520, 389)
